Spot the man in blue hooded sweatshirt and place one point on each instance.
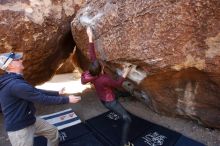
(16, 99)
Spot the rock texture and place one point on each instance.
(174, 47)
(67, 66)
(41, 29)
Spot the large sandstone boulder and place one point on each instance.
(174, 47)
(41, 29)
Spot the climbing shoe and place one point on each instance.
(129, 144)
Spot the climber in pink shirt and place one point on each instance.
(104, 86)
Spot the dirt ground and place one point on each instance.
(90, 106)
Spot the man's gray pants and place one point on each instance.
(25, 137)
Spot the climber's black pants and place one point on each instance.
(116, 107)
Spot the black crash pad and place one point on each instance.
(185, 141)
(66, 134)
(157, 136)
(84, 140)
(109, 126)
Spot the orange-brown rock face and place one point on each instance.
(174, 47)
(41, 29)
(67, 66)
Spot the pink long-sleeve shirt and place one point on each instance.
(103, 83)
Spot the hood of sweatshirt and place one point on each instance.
(7, 77)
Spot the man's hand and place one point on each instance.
(89, 33)
(62, 91)
(74, 99)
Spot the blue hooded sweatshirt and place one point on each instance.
(17, 97)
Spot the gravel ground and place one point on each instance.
(90, 107)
